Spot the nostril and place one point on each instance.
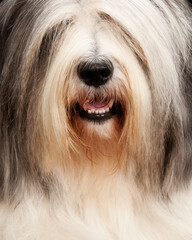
(86, 72)
(105, 73)
(95, 73)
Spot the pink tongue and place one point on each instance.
(97, 105)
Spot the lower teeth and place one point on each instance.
(98, 111)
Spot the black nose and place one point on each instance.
(96, 72)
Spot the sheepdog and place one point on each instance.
(95, 120)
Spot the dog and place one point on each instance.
(95, 117)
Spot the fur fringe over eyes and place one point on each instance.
(95, 119)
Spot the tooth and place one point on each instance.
(103, 111)
(97, 111)
(89, 111)
(107, 110)
(93, 111)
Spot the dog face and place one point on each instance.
(95, 83)
(88, 77)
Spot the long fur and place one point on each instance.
(65, 178)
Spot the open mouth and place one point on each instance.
(98, 110)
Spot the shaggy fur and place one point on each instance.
(65, 178)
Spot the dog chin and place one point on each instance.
(90, 129)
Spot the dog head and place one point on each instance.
(95, 76)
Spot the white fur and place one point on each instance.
(115, 211)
